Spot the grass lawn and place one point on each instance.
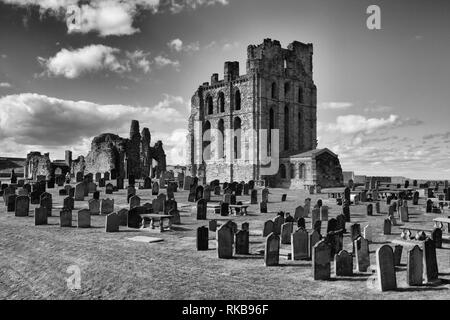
(34, 259)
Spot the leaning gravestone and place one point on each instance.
(242, 242)
(94, 207)
(272, 250)
(321, 264)
(40, 216)
(385, 268)
(343, 264)
(224, 242)
(201, 209)
(112, 222)
(300, 245)
(414, 269)
(84, 219)
(202, 239)
(22, 206)
(65, 218)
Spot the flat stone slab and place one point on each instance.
(146, 239)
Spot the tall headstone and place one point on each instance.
(94, 207)
(112, 222)
(321, 263)
(414, 269)
(385, 268)
(22, 206)
(40, 216)
(107, 206)
(300, 245)
(430, 266)
(84, 219)
(65, 218)
(201, 209)
(362, 254)
(254, 197)
(242, 242)
(224, 242)
(343, 264)
(202, 239)
(79, 192)
(272, 250)
(268, 228)
(286, 231)
(314, 237)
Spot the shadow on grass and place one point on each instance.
(420, 289)
(353, 278)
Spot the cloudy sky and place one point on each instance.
(383, 95)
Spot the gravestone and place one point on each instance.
(134, 217)
(387, 226)
(300, 245)
(22, 206)
(94, 207)
(277, 223)
(346, 213)
(107, 206)
(123, 217)
(96, 195)
(171, 190)
(301, 224)
(286, 231)
(340, 223)
(79, 177)
(201, 209)
(112, 222)
(416, 198)
(245, 226)
(343, 264)
(314, 237)
(398, 249)
(202, 239)
(147, 183)
(224, 209)
(355, 232)
(272, 250)
(207, 193)
(385, 268)
(40, 216)
(283, 197)
(246, 189)
(239, 188)
(92, 187)
(332, 225)
(107, 176)
(217, 191)
(120, 183)
(268, 228)
(170, 205)
(109, 188)
(98, 176)
(404, 215)
(367, 233)
(321, 264)
(11, 202)
(131, 191)
(155, 188)
(65, 218)
(377, 207)
(101, 183)
(47, 203)
(436, 236)
(315, 216)
(265, 195)
(176, 218)
(79, 192)
(414, 269)
(187, 183)
(131, 180)
(254, 197)
(362, 254)
(251, 184)
(69, 203)
(263, 207)
(324, 213)
(299, 213)
(199, 193)
(370, 209)
(84, 219)
(135, 201)
(242, 242)
(224, 242)
(213, 225)
(430, 266)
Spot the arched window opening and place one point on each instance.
(207, 141)
(237, 100)
(269, 134)
(301, 171)
(209, 103)
(221, 140)
(286, 128)
(221, 102)
(274, 91)
(282, 171)
(300, 95)
(237, 138)
(287, 89)
(292, 171)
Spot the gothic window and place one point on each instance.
(287, 89)
(301, 171)
(269, 134)
(292, 171)
(237, 138)
(300, 95)
(210, 106)
(206, 140)
(286, 128)
(237, 100)
(274, 91)
(221, 102)
(283, 171)
(221, 140)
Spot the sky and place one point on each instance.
(383, 95)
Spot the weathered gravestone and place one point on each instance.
(202, 239)
(430, 266)
(112, 222)
(343, 264)
(265, 195)
(22, 206)
(398, 249)
(94, 207)
(307, 207)
(199, 193)
(283, 197)
(107, 176)
(131, 180)
(135, 201)
(268, 228)
(277, 223)
(355, 232)
(299, 213)
(254, 197)
(340, 223)
(414, 269)
(79, 192)
(362, 254)
(134, 217)
(101, 183)
(98, 176)
(387, 226)
(301, 223)
(346, 212)
(47, 203)
(201, 209)
(155, 188)
(224, 242)
(170, 205)
(79, 176)
(96, 195)
(123, 217)
(107, 206)
(217, 191)
(40, 216)
(176, 218)
(131, 191)
(404, 214)
(272, 250)
(224, 209)
(300, 245)
(207, 193)
(120, 183)
(147, 183)
(314, 237)
(11, 202)
(385, 268)
(321, 263)
(242, 242)
(286, 231)
(315, 216)
(436, 236)
(84, 219)
(246, 189)
(65, 218)
(263, 207)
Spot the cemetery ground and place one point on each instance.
(34, 259)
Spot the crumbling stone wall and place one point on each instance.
(38, 165)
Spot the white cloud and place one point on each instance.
(352, 123)
(108, 17)
(5, 85)
(74, 63)
(4, 56)
(178, 46)
(335, 105)
(37, 122)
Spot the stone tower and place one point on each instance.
(134, 150)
